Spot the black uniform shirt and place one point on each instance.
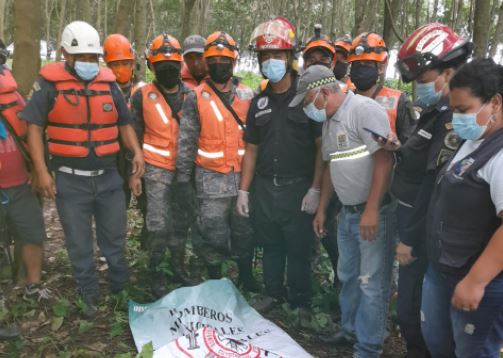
(285, 136)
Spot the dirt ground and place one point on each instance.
(56, 330)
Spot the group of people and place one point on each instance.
(328, 153)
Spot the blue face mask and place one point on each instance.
(317, 115)
(86, 70)
(427, 94)
(465, 125)
(274, 69)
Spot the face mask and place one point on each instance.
(167, 73)
(317, 115)
(123, 73)
(340, 70)
(274, 69)
(427, 94)
(465, 125)
(220, 72)
(86, 70)
(364, 76)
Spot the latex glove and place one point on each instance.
(311, 201)
(242, 203)
(404, 254)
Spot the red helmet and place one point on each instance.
(275, 34)
(429, 46)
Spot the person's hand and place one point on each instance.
(319, 225)
(404, 254)
(467, 295)
(369, 224)
(138, 165)
(135, 185)
(311, 201)
(392, 143)
(242, 203)
(44, 184)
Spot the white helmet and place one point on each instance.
(80, 37)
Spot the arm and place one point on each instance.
(327, 191)
(44, 182)
(130, 141)
(248, 166)
(188, 136)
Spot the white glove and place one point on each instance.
(311, 201)
(242, 203)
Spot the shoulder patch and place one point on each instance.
(205, 95)
(262, 102)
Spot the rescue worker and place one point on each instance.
(368, 58)
(84, 111)
(194, 67)
(156, 108)
(282, 159)
(431, 64)
(20, 209)
(359, 171)
(211, 130)
(463, 287)
(342, 48)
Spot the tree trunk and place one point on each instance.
(122, 24)
(48, 13)
(394, 7)
(62, 16)
(497, 32)
(470, 18)
(480, 33)
(435, 11)
(27, 32)
(188, 6)
(2, 21)
(140, 37)
(86, 11)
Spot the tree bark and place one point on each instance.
(62, 16)
(27, 33)
(390, 7)
(140, 37)
(188, 6)
(2, 21)
(497, 33)
(122, 24)
(480, 33)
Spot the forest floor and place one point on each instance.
(56, 328)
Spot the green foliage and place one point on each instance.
(250, 79)
(147, 351)
(399, 85)
(85, 326)
(60, 309)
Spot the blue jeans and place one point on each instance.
(364, 270)
(450, 332)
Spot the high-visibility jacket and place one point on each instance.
(389, 99)
(84, 115)
(160, 136)
(221, 146)
(11, 103)
(188, 80)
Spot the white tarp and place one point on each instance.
(208, 320)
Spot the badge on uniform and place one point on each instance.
(452, 140)
(342, 141)
(461, 167)
(152, 96)
(448, 126)
(206, 95)
(107, 107)
(262, 102)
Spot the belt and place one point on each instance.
(359, 208)
(283, 181)
(83, 173)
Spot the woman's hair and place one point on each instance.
(483, 77)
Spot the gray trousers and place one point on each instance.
(78, 200)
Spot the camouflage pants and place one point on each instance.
(224, 232)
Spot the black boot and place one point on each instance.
(246, 279)
(158, 283)
(178, 267)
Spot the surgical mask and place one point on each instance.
(427, 94)
(86, 70)
(274, 69)
(364, 76)
(220, 72)
(123, 73)
(340, 70)
(167, 73)
(465, 125)
(317, 115)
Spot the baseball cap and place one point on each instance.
(194, 43)
(314, 76)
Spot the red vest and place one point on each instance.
(160, 136)
(84, 116)
(389, 99)
(11, 103)
(221, 146)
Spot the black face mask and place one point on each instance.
(220, 72)
(340, 70)
(364, 76)
(167, 73)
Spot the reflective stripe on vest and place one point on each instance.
(350, 154)
(160, 135)
(221, 146)
(84, 115)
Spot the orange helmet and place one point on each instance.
(117, 48)
(368, 46)
(319, 41)
(164, 48)
(275, 34)
(220, 43)
(343, 44)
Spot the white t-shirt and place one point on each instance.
(491, 172)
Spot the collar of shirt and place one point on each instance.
(336, 116)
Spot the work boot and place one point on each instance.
(214, 270)
(246, 279)
(158, 283)
(178, 268)
(9, 331)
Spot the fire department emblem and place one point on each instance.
(219, 346)
(263, 102)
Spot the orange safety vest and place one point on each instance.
(263, 85)
(11, 103)
(84, 114)
(221, 146)
(389, 99)
(160, 136)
